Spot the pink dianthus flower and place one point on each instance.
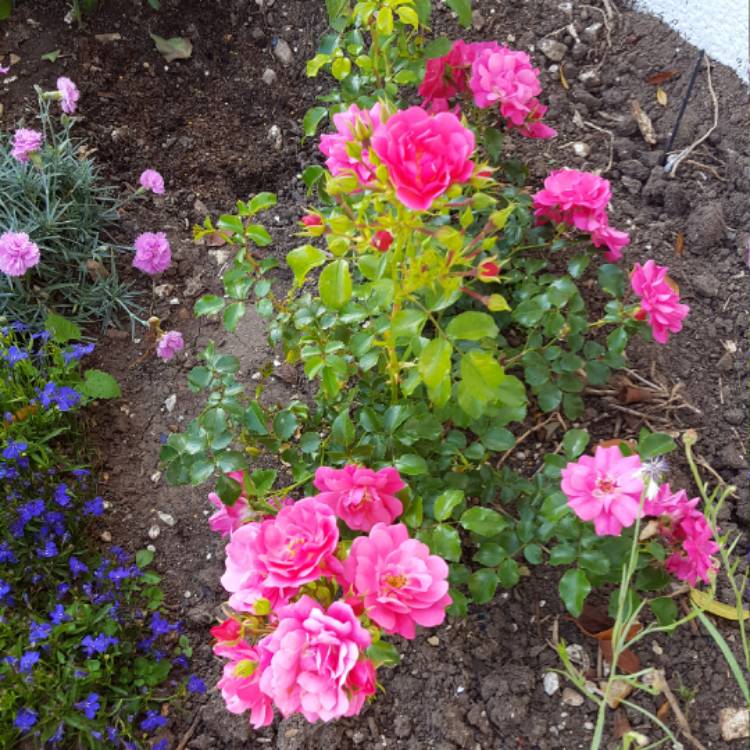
(399, 582)
(354, 126)
(228, 518)
(424, 154)
(69, 94)
(660, 303)
(26, 142)
(359, 496)
(314, 655)
(152, 253)
(605, 488)
(169, 344)
(17, 253)
(151, 180)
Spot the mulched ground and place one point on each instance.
(204, 123)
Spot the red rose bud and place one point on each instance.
(488, 270)
(312, 220)
(640, 314)
(382, 240)
(229, 630)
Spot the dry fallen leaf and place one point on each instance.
(644, 123)
(563, 79)
(679, 243)
(175, 48)
(663, 711)
(96, 269)
(621, 724)
(628, 661)
(618, 691)
(707, 602)
(616, 441)
(632, 394)
(658, 78)
(661, 96)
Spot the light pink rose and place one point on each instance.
(660, 303)
(241, 692)
(605, 488)
(17, 253)
(424, 154)
(613, 239)
(400, 583)
(578, 199)
(355, 125)
(360, 497)
(69, 94)
(152, 253)
(288, 550)
(228, 518)
(151, 180)
(26, 142)
(169, 345)
(314, 656)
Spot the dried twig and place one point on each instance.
(661, 682)
(191, 730)
(523, 437)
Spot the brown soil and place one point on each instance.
(204, 123)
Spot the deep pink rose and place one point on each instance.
(576, 198)
(17, 253)
(360, 497)
(314, 656)
(228, 518)
(241, 691)
(25, 142)
(424, 154)
(446, 76)
(613, 239)
(400, 583)
(605, 488)
(660, 303)
(169, 344)
(152, 253)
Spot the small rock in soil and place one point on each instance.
(269, 76)
(581, 149)
(153, 532)
(676, 202)
(433, 640)
(552, 49)
(274, 135)
(705, 227)
(170, 401)
(283, 52)
(734, 416)
(592, 32)
(551, 683)
(730, 456)
(735, 723)
(706, 284)
(166, 518)
(572, 698)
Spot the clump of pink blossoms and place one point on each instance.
(228, 518)
(25, 143)
(17, 253)
(605, 488)
(69, 94)
(151, 180)
(169, 345)
(424, 154)
(660, 302)
(354, 126)
(580, 200)
(359, 496)
(152, 253)
(399, 582)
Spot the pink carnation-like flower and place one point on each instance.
(153, 181)
(660, 303)
(152, 253)
(353, 126)
(288, 550)
(228, 518)
(360, 497)
(605, 488)
(424, 154)
(169, 344)
(17, 253)
(69, 93)
(576, 198)
(400, 583)
(26, 142)
(240, 684)
(314, 656)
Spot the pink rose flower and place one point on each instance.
(382, 240)
(312, 220)
(360, 497)
(576, 198)
(69, 94)
(424, 154)
(400, 583)
(153, 181)
(241, 691)
(668, 506)
(605, 488)
(228, 518)
(695, 560)
(152, 253)
(26, 142)
(354, 126)
(533, 127)
(169, 344)
(613, 239)
(289, 550)
(17, 253)
(446, 77)
(660, 303)
(314, 656)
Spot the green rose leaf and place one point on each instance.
(335, 284)
(302, 260)
(574, 588)
(99, 384)
(483, 584)
(208, 304)
(446, 542)
(575, 442)
(472, 326)
(654, 444)
(384, 654)
(483, 521)
(312, 119)
(435, 362)
(446, 502)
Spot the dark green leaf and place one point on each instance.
(446, 502)
(508, 573)
(209, 304)
(482, 585)
(575, 442)
(611, 279)
(437, 47)
(574, 588)
(655, 444)
(463, 9)
(384, 654)
(312, 119)
(228, 489)
(483, 521)
(664, 609)
(446, 542)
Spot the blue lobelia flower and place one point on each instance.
(25, 719)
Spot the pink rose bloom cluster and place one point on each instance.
(169, 345)
(580, 200)
(660, 301)
(17, 253)
(496, 76)
(229, 518)
(152, 253)
(151, 180)
(309, 656)
(69, 95)
(25, 142)
(607, 488)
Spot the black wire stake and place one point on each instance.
(683, 106)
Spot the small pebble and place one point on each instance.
(433, 640)
(283, 52)
(166, 518)
(269, 76)
(551, 682)
(106, 536)
(170, 402)
(153, 532)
